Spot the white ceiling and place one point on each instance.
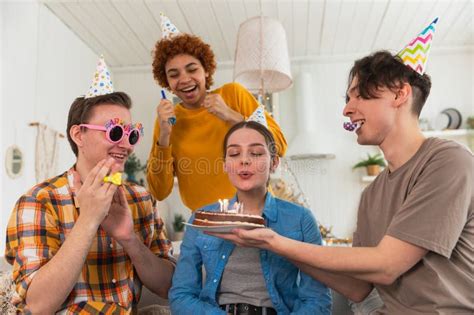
(125, 31)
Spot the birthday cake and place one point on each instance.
(205, 218)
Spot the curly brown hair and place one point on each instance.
(382, 69)
(187, 44)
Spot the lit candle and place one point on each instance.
(221, 205)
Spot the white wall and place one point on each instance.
(2, 47)
(45, 66)
(331, 186)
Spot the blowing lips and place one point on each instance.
(245, 174)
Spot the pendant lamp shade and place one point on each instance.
(262, 63)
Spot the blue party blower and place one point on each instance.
(171, 120)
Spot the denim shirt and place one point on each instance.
(291, 291)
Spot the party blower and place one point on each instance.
(171, 120)
(350, 126)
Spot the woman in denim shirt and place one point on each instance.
(247, 280)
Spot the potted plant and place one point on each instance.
(373, 164)
(133, 166)
(178, 227)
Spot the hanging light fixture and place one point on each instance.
(262, 63)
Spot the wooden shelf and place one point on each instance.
(464, 136)
(446, 134)
(449, 133)
(320, 156)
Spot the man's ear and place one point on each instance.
(76, 135)
(403, 95)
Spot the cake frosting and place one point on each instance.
(205, 218)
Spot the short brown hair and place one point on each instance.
(261, 129)
(382, 69)
(186, 44)
(81, 110)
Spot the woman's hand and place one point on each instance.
(165, 111)
(216, 106)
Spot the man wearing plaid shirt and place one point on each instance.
(81, 245)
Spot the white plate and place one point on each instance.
(223, 228)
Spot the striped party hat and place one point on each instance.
(415, 54)
(168, 29)
(101, 82)
(259, 116)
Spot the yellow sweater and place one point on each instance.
(195, 154)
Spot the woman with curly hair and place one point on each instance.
(190, 149)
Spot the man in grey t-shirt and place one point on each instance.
(415, 230)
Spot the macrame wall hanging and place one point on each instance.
(46, 152)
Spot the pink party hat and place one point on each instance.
(415, 54)
(168, 29)
(101, 83)
(259, 116)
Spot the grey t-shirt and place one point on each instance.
(427, 202)
(242, 281)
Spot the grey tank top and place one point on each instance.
(242, 281)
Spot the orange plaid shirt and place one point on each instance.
(108, 284)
